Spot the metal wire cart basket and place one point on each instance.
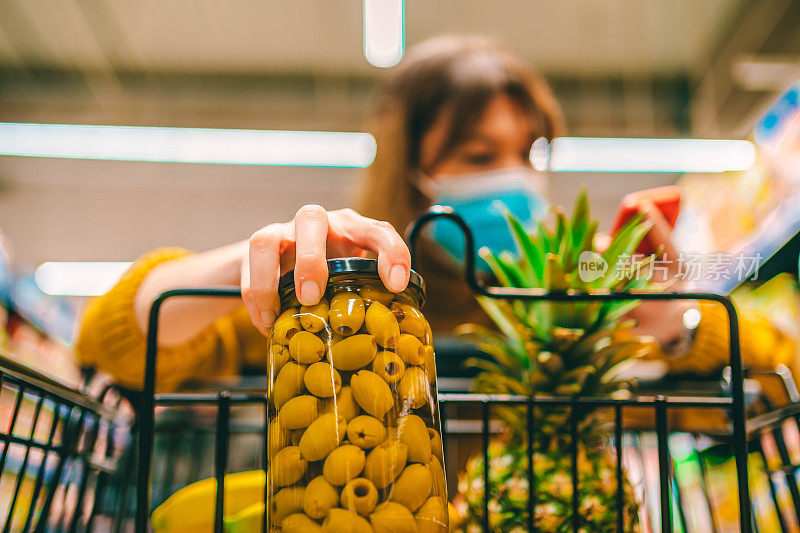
(59, 451)
(73, 493)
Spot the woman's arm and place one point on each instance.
(183, 318)
(303, 243)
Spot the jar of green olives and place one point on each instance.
(354, 439)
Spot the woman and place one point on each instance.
(454, 124)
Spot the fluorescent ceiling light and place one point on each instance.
(189, 145)
(349, 149)
(384, 38)
(78, 278)
(584, 154)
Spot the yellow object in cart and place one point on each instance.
(192, 508)
(248, 520)
(353, 412)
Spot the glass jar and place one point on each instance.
(354, 438)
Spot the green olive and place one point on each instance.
(322, 437)
(346, 314)
(299, 523)
(277, 437)
(313, 317)
(374, 293)
(279, 356)
(385, 462)
(342, 404)
(414, 388)
(343, 521)
(409, 348)
(287, 467)
(298, 412)
(288, 383)
(365, 431)
(286, 326)
(432, 516)
(388, 366)
(295, 436)
(306, 348)
(353, 352)
(437, 476)
(428, 338)
(344, 463)
(392, 517)
(286, 502)
(436, 443)
(382, 324)
(412, 487)
(410, 319)
(412, 432)
(360, 496)
(429, 363)
(372, 393)
(320, 496)
(322, 380)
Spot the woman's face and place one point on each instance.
(501, 139)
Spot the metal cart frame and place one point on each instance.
(733, 404)
(72, 459)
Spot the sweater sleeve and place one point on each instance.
(763, 346)
(110, 340)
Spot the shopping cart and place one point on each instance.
(223, 401)
(59, 449)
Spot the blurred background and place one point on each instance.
(621, 68)
(130, 125)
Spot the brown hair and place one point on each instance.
(459, 74)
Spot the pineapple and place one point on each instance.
(562, 349)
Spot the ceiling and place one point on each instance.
(564, 37)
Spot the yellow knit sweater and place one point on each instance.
(110, 340)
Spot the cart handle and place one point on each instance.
(532, 294)
(147, 412)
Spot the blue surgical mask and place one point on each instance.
(475, 198)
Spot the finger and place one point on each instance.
(247, 298)
(661, 231)
(661, 235)
(394, 259)
(601, 242)
(264, 271)
(339, 247)
(311, 267)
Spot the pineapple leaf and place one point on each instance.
(621, 248)
(483, 364)
(515, 274)
(501, 319)
(494, 264)
(506, 354)
(530, 256)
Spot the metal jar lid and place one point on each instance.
(351, 265)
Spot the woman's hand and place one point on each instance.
(660, 236)
(662, 319)
(304, 243)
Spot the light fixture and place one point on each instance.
(91, 278)
(585, 154)
(384, 32)
(188, 145)
(350, 149)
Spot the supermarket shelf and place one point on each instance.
(777, 242)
